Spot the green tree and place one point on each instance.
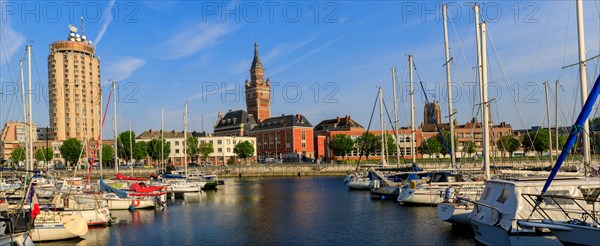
(206, 149)
(192, 148)
(18, 155)
(536, 141)
(140, 150)
(443, 150)
(126, 141)
(341, 145)
(469, 147)
(390, 145)
(154, 149)
(71, 150)
(508, 144)
(431, 146)
(244, 150)
(562, 140)
(108, 153)
(43, 154)
(368, 144)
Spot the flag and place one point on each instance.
(33, 202)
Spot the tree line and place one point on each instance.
(129, 149)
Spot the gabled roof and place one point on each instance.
(297, 120)
(235, 118)
(337, 124)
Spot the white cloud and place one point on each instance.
(301, 58)
(11, 41)
(123, 67)
(192, 39)
(107, 19)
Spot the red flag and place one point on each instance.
(35, 206)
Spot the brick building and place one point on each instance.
(258, 91)
(287, 137)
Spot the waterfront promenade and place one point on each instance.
(300, 169)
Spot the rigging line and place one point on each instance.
(460, 47)
(568, 24)
(14, 94)
(431, 111)
(393, 129)
(37, 71)
(402, 87)
(505, 79)
(362, 149)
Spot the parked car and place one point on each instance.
(193, 165)
(60, 166)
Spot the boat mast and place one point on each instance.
(396, 118)
(482, 74)
(486, 104)
(131, 147)
(24, 102)
(162, 138)
(116, 162)
(556, 115)
(448, 79)
(382, 152)
(412, 110)
(185, 138)
(549, 127)
(30, 129)
(583, 79)
(100, 126)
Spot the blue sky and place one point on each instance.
(325, 59)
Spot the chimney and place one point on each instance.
(347, 119)
(338, 119)
(220, 116)
(299, 116)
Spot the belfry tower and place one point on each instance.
(258, 91)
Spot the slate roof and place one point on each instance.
(234, 118)
(333, 124)
(297, 120)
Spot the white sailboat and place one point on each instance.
(505, 214)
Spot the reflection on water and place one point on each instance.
(277, 211)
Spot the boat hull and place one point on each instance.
(496, 235)
(126, 203)
(419, 197)
(359, 184)
(53, 226)
(457, 215)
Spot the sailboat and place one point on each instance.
(455, 207)
(506, 213)
(180, 184)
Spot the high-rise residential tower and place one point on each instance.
(74, 88)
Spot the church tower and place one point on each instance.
(258, 91)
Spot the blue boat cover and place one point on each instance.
(172, 176)
(107, 188)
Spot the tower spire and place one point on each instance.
(256, 63)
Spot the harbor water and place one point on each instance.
(279, 211)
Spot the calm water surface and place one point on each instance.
(278, 211)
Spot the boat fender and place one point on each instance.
(131, 208)
(448, 193)
(413, 185)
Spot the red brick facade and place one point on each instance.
(258, 92)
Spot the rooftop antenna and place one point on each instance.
(82, 26)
